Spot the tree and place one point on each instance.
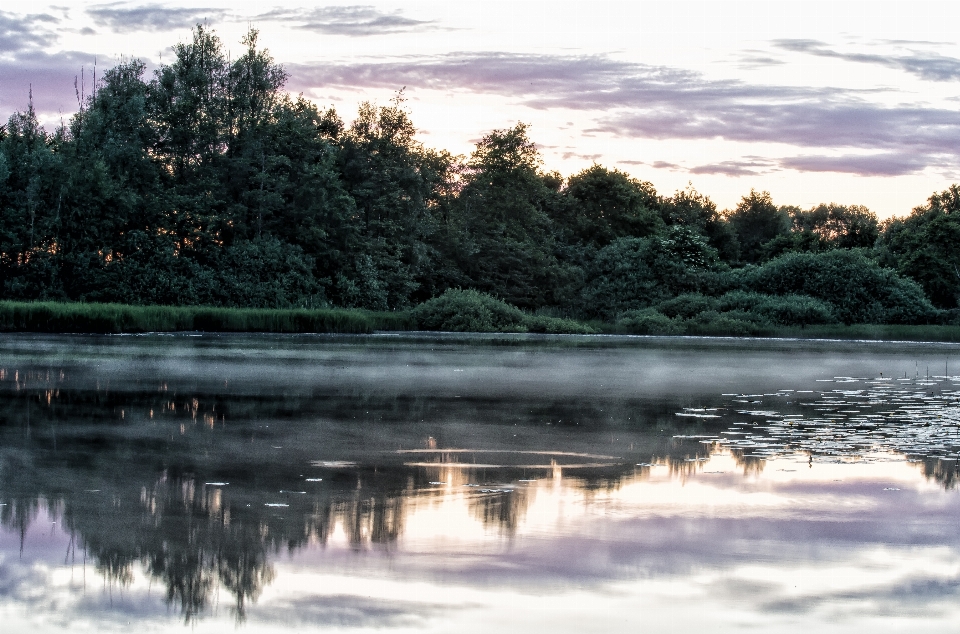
(923, 246)
(689, 208)
(30, 196)
(603, 205)
(756, 221)
(505, 234)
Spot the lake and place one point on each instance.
(442, 483)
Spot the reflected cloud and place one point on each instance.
(223, 473)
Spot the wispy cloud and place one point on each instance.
(885, 164)
(358, 20)
(928, 66)
(731, 168)
(123, 17)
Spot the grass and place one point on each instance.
(61, 317)
(121, 318)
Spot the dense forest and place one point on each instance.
(208, 184)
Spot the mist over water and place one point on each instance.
(431, 483)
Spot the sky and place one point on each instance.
(845, 102)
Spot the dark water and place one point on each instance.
(437, 484)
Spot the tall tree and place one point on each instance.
(506, 243)
(757, 221)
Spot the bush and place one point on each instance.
(857, 288)
(471, 311)
(635, 273)
(784, 310)
(648, 322)
(687, 305)
(711, 322)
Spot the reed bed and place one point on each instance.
(64, 317)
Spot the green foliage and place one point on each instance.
(634, 273)
(923, 246)
(783, 310)
(858, 289)
(756, 221)
(691, 209)
(471, 311)
(687, 305)
(648, 321)
(711, 322)
(604, 205)
(208, 184)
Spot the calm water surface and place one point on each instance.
(438, 484)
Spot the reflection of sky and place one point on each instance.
(863, 539)
(860, 544)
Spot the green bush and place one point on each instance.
(711, 322)
(634, 273)
(687, 305)
(783, 310)
(471, 311)
(648, 321)
(857, 288)
(468, 311)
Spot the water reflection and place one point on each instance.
(209, 471)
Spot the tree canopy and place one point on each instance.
(207, 183)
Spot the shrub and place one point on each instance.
(687, 305)
(711, 322)
(648, 322)
(635, 273)
(468, 311)
(471, 311)
(784, 310)
(857, 288)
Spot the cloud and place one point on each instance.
(26, 64)
(23, 32)
(887, 164)
(929, 66)
(586, 157)
(151, 17)
(728, 168)
(348, 611)
(49, 75)
(358, 20)
(655, 102)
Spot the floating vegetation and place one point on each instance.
(860, 418)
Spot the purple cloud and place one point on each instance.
(653, 102)
(357, 20)
(728, 168)
(887, 164)
(151, 17)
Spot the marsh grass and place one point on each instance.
(60, 317)
(120, 318)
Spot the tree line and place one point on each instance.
(208, 184)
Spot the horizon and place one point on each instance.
(812, 102)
